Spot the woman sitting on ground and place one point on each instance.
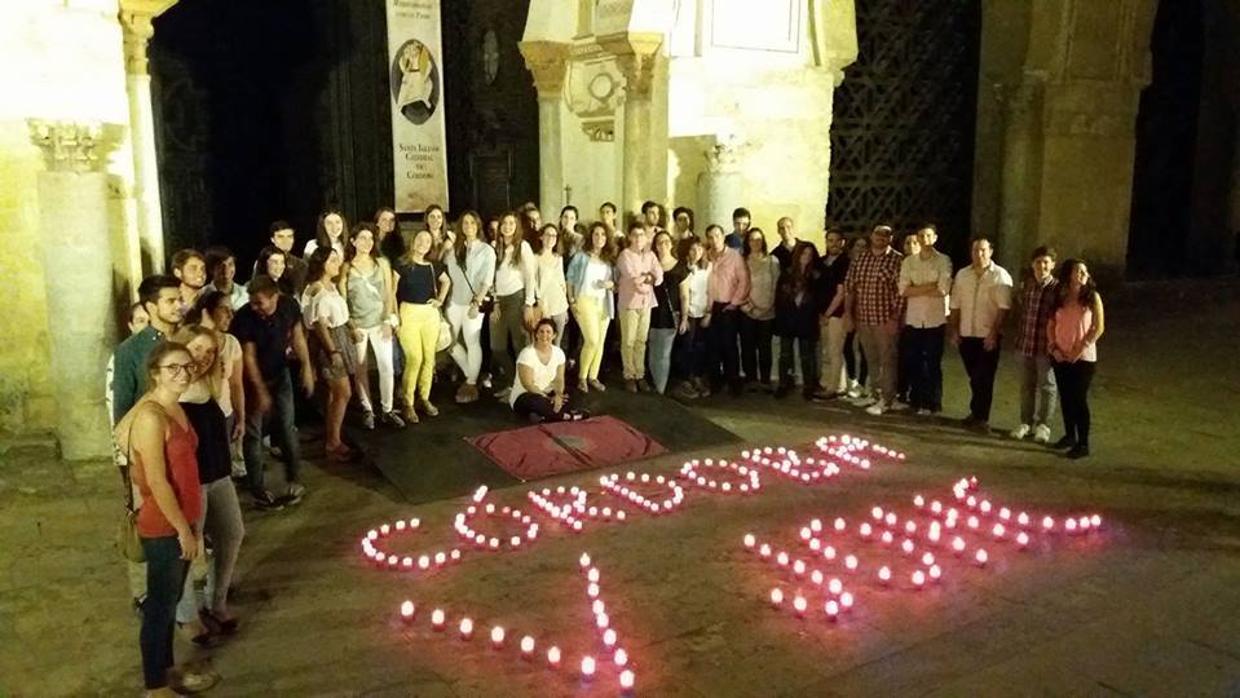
(539, 392)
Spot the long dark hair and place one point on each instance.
(1064, 274)
(350, 252)
(458, 245)
(797, 279)
(316, 267)
(608, 252)
(320, 229)
(746, 250)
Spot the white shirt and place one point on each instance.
(312, 245)
(597, 272)
(509, 279)
(544, 374)
(978, 298)
(926, 311)
(698, 301)
(327, 306)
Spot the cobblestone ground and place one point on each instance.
(1150, 605)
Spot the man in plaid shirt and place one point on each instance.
(1036, 376)
(872, 304)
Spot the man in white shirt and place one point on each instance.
(980, 300)
(926, 282)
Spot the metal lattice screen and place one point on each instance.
(902, 136)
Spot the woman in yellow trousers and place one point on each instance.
(421, 288)
(591, 294)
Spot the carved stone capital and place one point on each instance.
(600, 130)
(637, 56)
(548, 61)
(724, 154)
(74, 146)
(135, 18)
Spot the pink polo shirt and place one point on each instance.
(635, 292)
(729, 279)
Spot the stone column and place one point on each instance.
(720, 185)
(548, 61)
(636, 56)
(135, 18)
(1017, 234)
(73, 224)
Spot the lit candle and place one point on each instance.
(981, 557)
(851, 562)
(437, 619)
(587, 666)
(919, 578)
(527, 647)
(467, 628)
(832, 608)
(407, 610)
(497, 637)
(1022, 539)
(799, 604)
(777, 596)
(609, 637)
(884, 574)
(627, 679)
(748, 540)
(958, 544)
(835, 586)
(553, 656)
(935, 572)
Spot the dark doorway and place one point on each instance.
(904, 119)
(1162, 187)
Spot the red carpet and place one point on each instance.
(544, 450)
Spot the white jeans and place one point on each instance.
(469, 332)
(383, 361)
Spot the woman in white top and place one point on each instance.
(514, 298)
(326, 314)
(329, 231)
(689, 352)
(368, 286)
(591, 294)
(538, 393)
(758, 312)
(550, 286)
(471, 268)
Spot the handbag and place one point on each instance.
(488, 301)
(128, 542)
(445, 337)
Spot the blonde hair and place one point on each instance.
(214, 375)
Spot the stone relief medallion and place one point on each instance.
(415, 81)
(490, 56)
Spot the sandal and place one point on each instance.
(192, 682)
(216, 624)
(205, 639)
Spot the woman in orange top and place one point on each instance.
(164, 468)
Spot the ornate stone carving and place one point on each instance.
(547, 60)
(74, 146)
(135, 18)
(725, 153)
(638, 70)
(600, 130)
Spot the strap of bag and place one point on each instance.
(129, 463)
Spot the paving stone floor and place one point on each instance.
(1148, 606)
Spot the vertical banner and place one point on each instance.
(419, 151)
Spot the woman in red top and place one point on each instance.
(161, 446)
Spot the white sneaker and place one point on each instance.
(1042, 434)
(876, 410)
(854, 389)
(923, 412)
(1021, 432)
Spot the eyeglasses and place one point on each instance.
(178, 368)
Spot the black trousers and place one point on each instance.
(922, 358)
(756, 348)
(689, 351)
(721, 346)
(1074, 380)
(541, 408)
(981, 365)
(808, 347)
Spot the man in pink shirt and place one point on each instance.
(727, 290)
(639, 272)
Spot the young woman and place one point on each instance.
(758, 312)
(271, 261)
(514, 299)
(421, 289)
(217, 314)
(797, 306)
(326, 315)
(591, 293)
(854, 359)
(389, 242)
(221, 516)
(539, 393)
(328, 233)
(637, 273)
(682, 218)
(161, 447)
(367, 285)
(695, 304)
(471, 269)
(436, 225)
(570, 239)
(607, 214)
(549, 283)
(1072, 334)
(665, 318)
(1038, 391)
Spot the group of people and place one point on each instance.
(523, 310)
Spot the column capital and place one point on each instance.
(135, 18)
(637, 56)
(548, 61)
(724, 153)
(74, 146)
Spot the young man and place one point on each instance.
(222, 270)
(682, 218)
(727, 290)
(925, 282)
(980, 299)
(266, 328)
(834, 270)
(1037, 378)
(786, 250)
(651, 212)
(160, 296)
(190, 268)
(741, 221)
(283, 237)
(873, 305)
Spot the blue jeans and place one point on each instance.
(660, 356)
(281, 416)
(923, 366)
(165, 574)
